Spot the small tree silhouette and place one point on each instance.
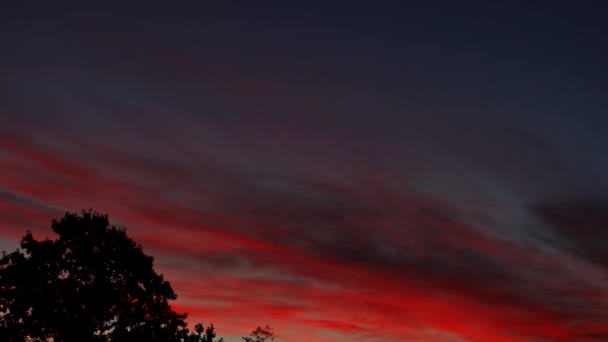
(92, 283)
(260, 334)
(202, 335)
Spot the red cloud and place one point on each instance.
(336, 263)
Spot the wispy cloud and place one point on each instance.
(353, 258)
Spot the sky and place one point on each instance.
(387, 171)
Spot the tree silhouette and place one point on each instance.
(260, 334)
(202, 335)
(92, 283)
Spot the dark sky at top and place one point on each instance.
(343, 171)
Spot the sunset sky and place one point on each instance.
(338, 171)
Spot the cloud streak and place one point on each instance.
(325, 261)
(343, 174)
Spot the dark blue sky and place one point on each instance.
(446, 158)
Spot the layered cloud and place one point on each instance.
(341, 173)
(326, 261)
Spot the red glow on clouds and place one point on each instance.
(353, 263)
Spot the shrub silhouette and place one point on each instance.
(92, 283)
(260, 334)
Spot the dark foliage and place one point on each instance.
(92, 283)
(260, 334)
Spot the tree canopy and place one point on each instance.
(92, 283)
